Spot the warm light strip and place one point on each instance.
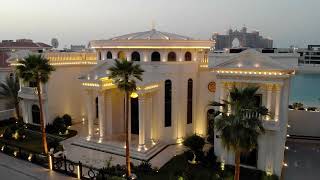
(107, 84)
(203, 66)
(251, 72)
(91, 84)
(151, 87)
(73, 63)
(152, 47)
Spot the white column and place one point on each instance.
(142, 107)
(102, 113)
(222, 94)
(278, 99)
(228, 87)
(148, 121)
(103, 55)
(269, 98)
(108, 114)
(90, 111)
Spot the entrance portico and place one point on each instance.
(110, 124)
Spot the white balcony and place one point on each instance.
(30, 93)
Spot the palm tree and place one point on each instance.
(124, 74)
(36, 69)
(9, 90)
(241, 127)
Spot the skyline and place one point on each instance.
(288, 22)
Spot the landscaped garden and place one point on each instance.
(28, 136)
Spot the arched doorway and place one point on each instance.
(210, 127)
(134, 115)
(35, 114)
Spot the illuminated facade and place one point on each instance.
(181, 77)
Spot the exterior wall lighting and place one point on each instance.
(134, 95)
(50, 162)
(78, 172)
(30, 157)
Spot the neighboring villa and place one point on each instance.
(181, 76)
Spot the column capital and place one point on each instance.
(269, 87)
(278, 87)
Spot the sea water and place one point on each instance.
(305, 88)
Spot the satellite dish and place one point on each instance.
(54, 43)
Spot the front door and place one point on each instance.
(134, 116)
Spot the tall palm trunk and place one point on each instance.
(237, 165)
(43, 129)
(126, 114)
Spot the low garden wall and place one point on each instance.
(304, 123)
(6, 114)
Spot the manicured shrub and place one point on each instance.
(8, 133)
(194, 143)
(59, 125)
(145, 167)
(210, 158)
(311, 108)
(67, 120)
(297, 105)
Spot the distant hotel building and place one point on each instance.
(241, 39)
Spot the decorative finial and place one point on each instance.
(153, 25)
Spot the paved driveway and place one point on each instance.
(303, 158)
(15, 169)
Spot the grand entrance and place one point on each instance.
(134, 115)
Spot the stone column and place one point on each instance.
(228, 87)
(269, 98)
(90, 111)
(142, 107)
(222, 94)
(101, 101)
(103, 55)
(148, 121)
(108, 114)
(278, 101)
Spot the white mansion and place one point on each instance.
(182, 75)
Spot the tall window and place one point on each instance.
(187, 56)
(155, 56)
(135, 56)
(189, 101)
(97, 107)
(167, 103)
(35, 114)
(109, 55)
(172, 56)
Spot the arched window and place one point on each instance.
(121, 55)
(189, 101)
(187, 56)
(155, 56)
(135, 56)
(35, 111)
(172, 56)
(167, 103)
(109, 55)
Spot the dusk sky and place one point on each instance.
(287, 22)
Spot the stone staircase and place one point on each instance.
(117, 148)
